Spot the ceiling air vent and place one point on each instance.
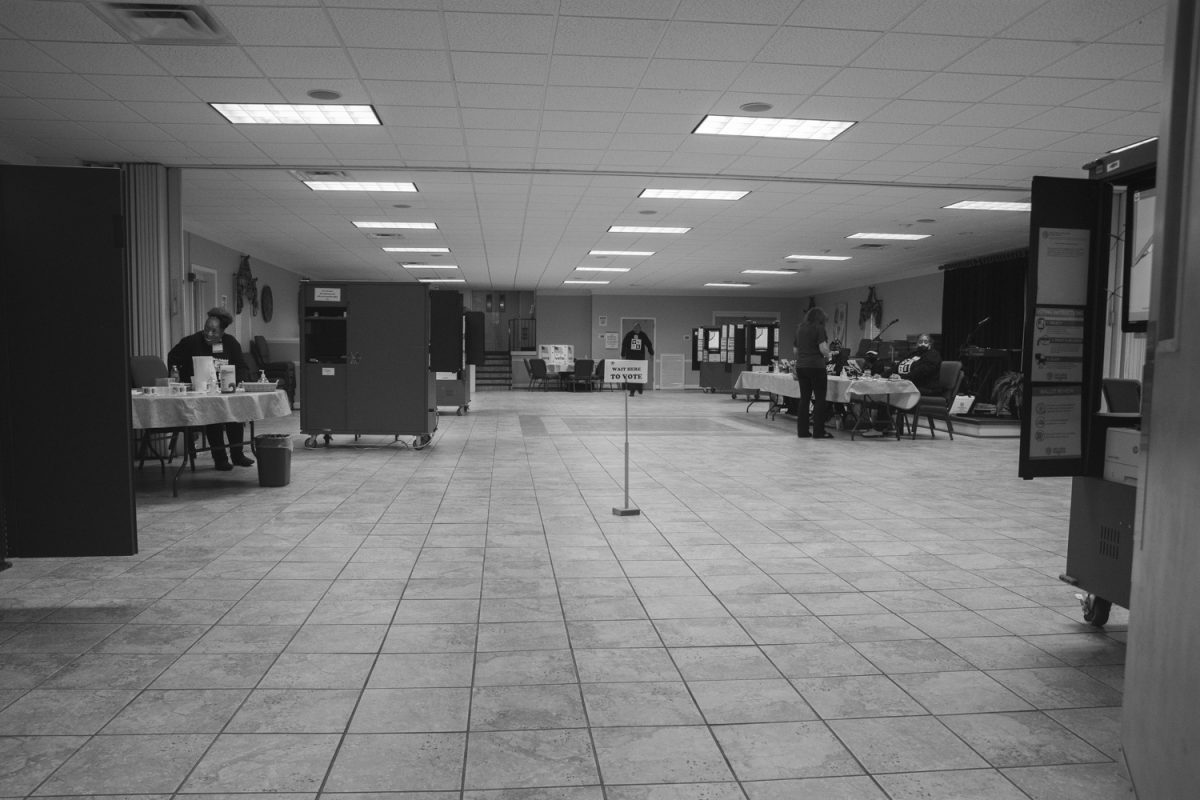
(868, 247)
(164, 23)
(320, 174)
(385, 235)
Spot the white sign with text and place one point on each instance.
(619, 370)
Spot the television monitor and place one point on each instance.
(1139, 260)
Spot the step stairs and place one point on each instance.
(495, 372)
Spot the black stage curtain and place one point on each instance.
(991, 288)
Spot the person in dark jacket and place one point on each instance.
(811, 345)
(636, 347)
(924, 367)
(213, 341)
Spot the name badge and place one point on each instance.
(218, 348)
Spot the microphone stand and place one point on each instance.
(971, 379)
(879, 336)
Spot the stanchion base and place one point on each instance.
(627, 512)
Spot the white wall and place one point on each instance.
(916, 301)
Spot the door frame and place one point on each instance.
(200, 300)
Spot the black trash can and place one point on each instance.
(274, 452)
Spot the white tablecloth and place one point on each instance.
(181, 411)
(897, 393)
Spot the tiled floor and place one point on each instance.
(785, 619)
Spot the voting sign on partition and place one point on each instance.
(619, 370)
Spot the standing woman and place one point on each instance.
(812, 351)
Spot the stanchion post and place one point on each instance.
(631, 371)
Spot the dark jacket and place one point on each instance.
(195, 345)
(636, 346)
(923, 368)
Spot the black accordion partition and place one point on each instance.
(65, 457)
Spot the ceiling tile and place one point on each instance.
(499, 119)
(297, 27)
(917, 111)
(1106, 61)
(962, 87)
(597, 71)
(93, 110)
(228, 62)
(1018, 139)
(508, 33)
(62, 22)
(589, 36)
(500, 68)
(1045, 91)
(674, 73)
(966, 17)
(580, 121)
(1123, 95)
(103, 59)
(132, 87)
(677, 101)
(233, 90)
(635, 9)
(52, 84)
(386, 28)
(1150, 28)
(418, 116)
(915, 51)
(813, 46)
(167, 114)
(1071, 119)
(723, 42)
(1067, 21)
(1012, 56)
(302, 62)
(493, 95)
(889, 83)
(586, 98)
(782, 79)
(853, 14)
(406, 65)
(412, 93)
(999, 115)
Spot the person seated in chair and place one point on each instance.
(213, 341)
(838, 357)
(923, 367)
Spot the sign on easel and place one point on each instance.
(620, 370)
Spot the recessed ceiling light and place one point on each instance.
(772, 127)
(1135, 144)
(288, 114)
(602, 269)
(692, 194)
(416, 249)
(755, 108)
(905, 236)
(799, 257)
(441, 280)
(770, 272)
(360, 186)
(597, 283)
(421, 226)
(644, 229)
(986, 205)
(729, 284)
(324, 94)
(430, 266)
(620, 252)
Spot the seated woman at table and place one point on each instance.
(924, 367)
(811, 345)
(213, 341)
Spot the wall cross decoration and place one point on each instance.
(247, 287)
(870, 309)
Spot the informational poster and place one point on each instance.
(621, 370)
(1056, 422)
(327, 294)
(612, 341)
(1062, 264)
(1058, 344)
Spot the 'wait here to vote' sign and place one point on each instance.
(617, 370)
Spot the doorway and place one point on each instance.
(648, 328)
(204, 294)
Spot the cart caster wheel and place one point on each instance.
(328, 439)
(458, 412)
(1095, 610)
(422, 441)
(733, 396)
(396, 438)
(310, 443)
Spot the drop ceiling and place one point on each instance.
(531, 126)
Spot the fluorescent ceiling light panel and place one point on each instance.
(1135, 144)
(908, 237)
(416, 249)
(770, 272)
(773, 128)
(360, 186)
(602, 269)
(987, 205)
(644, 229)
(724, 284)
(441, 280)
(598, 283)
(430, 266)
(620, 252)
(799, 257)
(420, 226)
(288, 114)
(691, 194)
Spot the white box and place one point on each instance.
(1123, 457)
